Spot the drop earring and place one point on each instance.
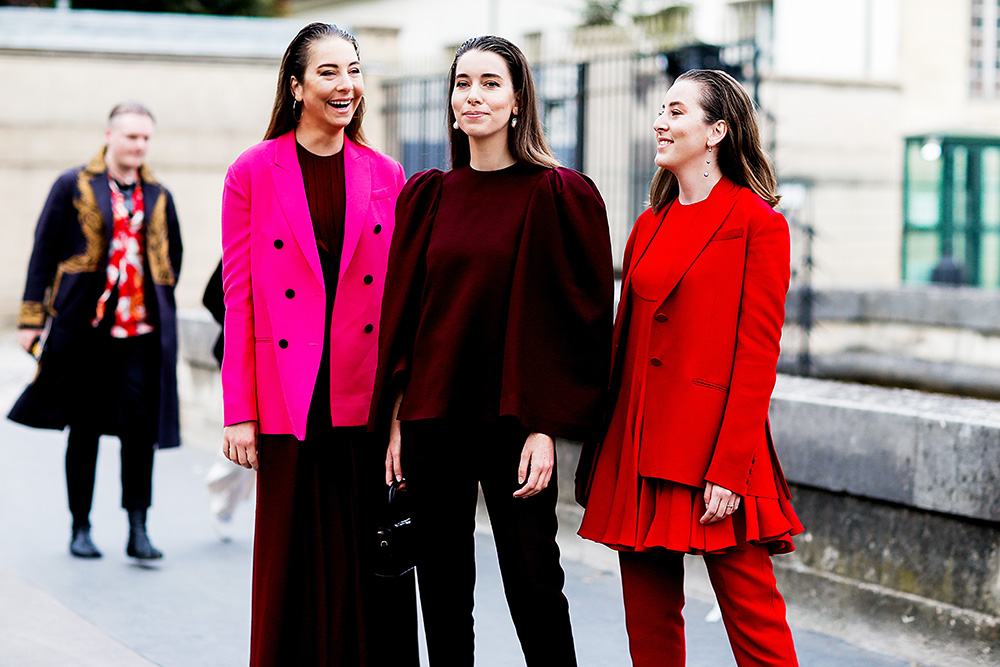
(455, 124)
(513, 121)
(708, 161)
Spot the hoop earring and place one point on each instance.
(299, 116)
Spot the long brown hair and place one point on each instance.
(526, 141)
(293, 63)
(741, 157)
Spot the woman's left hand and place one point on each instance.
(720, 503)
(537, 459)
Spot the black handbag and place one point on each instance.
(394, 552)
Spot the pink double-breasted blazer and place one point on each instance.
(275, 295)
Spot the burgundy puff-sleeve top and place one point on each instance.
(498, 299)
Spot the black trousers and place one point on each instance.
(122, 400)
(445, 463)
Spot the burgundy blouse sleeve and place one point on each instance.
(557, 348)
(415, 209)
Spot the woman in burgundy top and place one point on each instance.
(306, 226)
(496, 325)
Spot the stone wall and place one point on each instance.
(944, 339)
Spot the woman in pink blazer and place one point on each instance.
(307, 220)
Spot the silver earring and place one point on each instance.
(513, 121)
(298, 116)
(455, 124)
(709, 149)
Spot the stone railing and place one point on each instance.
(933, 338)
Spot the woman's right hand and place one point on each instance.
(239, 444)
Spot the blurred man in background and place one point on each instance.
(99, 314)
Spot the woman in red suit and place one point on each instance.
(495, 328)
(687, 464)
(307, 218)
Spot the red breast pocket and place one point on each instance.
(727, 234)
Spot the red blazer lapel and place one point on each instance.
(291, 193)
(358, 183)
(690, 242)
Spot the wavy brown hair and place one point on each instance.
(293, 63)
(526, 141)
(741, 157)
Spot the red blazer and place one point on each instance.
(714, 343)
(275, 296)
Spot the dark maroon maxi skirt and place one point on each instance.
(316, 600)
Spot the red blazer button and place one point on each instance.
(655, 361)
(660, 317)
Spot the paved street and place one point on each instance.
(193, 608)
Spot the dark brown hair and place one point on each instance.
(293, 64)
(740, 154)
(526, 141)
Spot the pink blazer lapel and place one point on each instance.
(291, 193)
(691, 241)
(358, 183)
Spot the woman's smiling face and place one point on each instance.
(682, 135)
(483, 98)
(332, 87)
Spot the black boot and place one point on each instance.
(81, 546)
(138, 541)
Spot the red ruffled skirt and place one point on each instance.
(627, 511)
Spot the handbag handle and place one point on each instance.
(396, 486)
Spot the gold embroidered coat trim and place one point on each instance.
(31, 316)
(92, 226)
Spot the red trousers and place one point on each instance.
(752, 608)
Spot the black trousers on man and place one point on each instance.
(445, 462)
(122, 400)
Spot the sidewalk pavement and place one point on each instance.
(192, 608)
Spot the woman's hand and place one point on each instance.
(393, 467)
(239, 444)
(720, 503)
(537, 459)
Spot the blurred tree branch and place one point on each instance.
(601, 12)
(221, 7)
